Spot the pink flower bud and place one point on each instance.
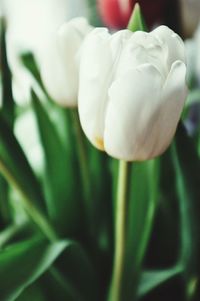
(116, 13)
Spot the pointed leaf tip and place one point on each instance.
(137, 21)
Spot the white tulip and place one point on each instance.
(60, 63)
(31, 26)
(132, 90)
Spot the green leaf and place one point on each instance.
(136, 21)
(15, 167)
(187, 166)
(74, 273)
(16, 232)
(100, 177)
(7, 97)
(7, 110)
(143, 197)
(29, 62)
(21, 264)
(11, 232)
(32, 293)
(152, 279)
(60, 172)
(5, 208)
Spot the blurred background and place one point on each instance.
(28, 29)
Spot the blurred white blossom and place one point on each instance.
(60, 61)
(32, 25)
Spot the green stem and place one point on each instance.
(83, 163)
(120, 231)
(34, 213)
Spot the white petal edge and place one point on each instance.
(95, 67)
(173, 99)
(176, 48)
(133, 103)
(59, 66)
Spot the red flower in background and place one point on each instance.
(116, 13)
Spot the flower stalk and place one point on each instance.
(120, 231)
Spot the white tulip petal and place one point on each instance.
(173, 98)
(130, 116)
(79, 24)
(98, 62)
(174, 43)
(57, 79)
(143, 48)
(118, 42)
(59, 67)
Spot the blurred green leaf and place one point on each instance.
(15, 167)
(152, 279)
(11, 232)
(143, 197)
(7, 110)
(99, 164)
(94, 17)
(21, 264)
(30, 63)
(60, 173)
(73, 272)
(71, 277)
(5, 208)
(33, 293)
(187, 167)
(193, 97)
(7, 98)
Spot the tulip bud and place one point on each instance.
(132, 90)
(116, 13)
(60, 62)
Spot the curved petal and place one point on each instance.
(175, 45)
(173, 98)
(59, 67)
(132, 112)
(95, 65)
(143, 48)
(79, 25)
(99, 57)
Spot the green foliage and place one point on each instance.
(62, 197)
(187, 166)
(24, 262)
(143, 198)
(152, 279)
